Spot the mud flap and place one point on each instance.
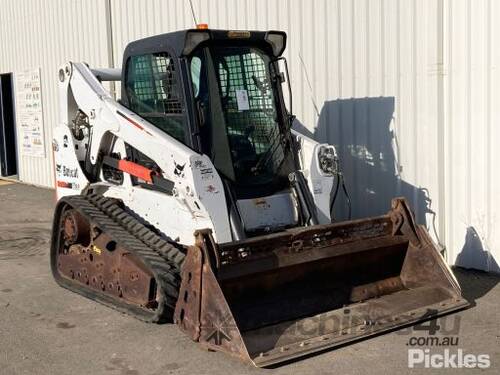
(274, 298)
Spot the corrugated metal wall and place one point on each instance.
(365, 76)
(407, 90)
(46, 34)
(472, 133)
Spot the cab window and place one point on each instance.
(154, 92)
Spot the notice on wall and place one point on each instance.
(29, 113)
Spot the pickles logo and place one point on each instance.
(448, 359)
(424, 351)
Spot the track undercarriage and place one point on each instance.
(101, 251)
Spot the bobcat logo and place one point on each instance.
(179, 169)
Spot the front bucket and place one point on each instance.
(273, 298)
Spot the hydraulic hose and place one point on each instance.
(348, 198)
(341, 180)
(332, 203)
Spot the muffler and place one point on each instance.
(273, 298)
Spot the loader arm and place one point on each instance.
(109, 121)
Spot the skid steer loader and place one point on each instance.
(191, 200)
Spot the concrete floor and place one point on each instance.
(45, 329)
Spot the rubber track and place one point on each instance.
(163, 259)
(165, 249)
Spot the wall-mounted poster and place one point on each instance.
(29, 113)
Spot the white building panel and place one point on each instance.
(472, 115)
(45, 34)
(407, 90)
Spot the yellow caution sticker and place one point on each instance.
(96, 250)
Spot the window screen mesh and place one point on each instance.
(248, 72)
(154, 92)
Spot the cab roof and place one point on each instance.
(183, 42)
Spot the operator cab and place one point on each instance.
(219, 92)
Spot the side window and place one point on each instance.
(195, 74)
(154, 92)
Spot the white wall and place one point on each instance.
(45, 34)
(363, 73)
(406, 89)
(472, 133)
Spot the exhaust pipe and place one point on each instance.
(273, 298)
